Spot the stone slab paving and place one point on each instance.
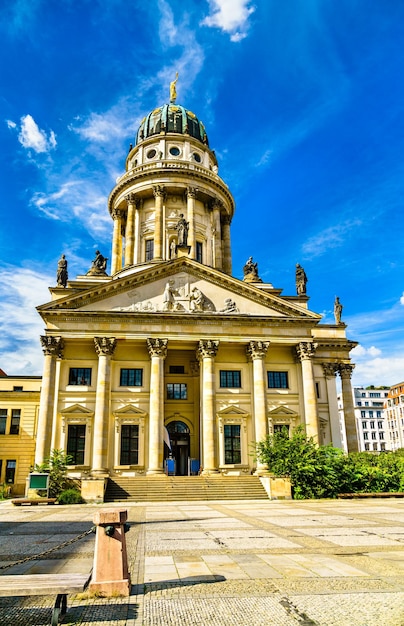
(237, 563)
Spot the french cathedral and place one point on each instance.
(158, 357)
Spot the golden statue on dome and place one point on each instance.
(173, 89)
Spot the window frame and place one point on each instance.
(235, 451)
(230, 379)
(176, 391)
(131, 438)
(135, 373)
(149, 249)
(278, 379)
(85, 377)
(76, 460)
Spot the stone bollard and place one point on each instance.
(110, 570)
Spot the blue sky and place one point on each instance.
(303, 101)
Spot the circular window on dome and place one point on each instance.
(151, 153)
(196, 157)
(175, 151)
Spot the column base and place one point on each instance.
(210, 472)
(155, 472)
(100, 473)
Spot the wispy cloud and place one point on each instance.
(32, 137)
(331, 237)
(21, 290)
(230, 16)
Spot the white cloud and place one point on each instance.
(103, 128)
(32, 137)
(11, 124)
(231, 16)
(21, 290)
(332, 237)
(359, 352)
(402, 299)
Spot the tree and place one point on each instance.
(57, 467)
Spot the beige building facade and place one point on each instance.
(169, 347)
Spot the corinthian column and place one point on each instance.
(206, 353)
(217, 236)
(105, 347)
(136, 255)
(191, 195)
(116, 261)
(305, 352)
(130, 229)
(257, 350)
(345, 371)
(330, 371)
(52, 348)
(158, 352)
(159, 193)
(226, 245)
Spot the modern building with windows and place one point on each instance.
(371, 422)
(169, 347)
(394, 408)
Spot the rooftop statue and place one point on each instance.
(61, 274)
(250, 270)
(337, 310)
(301, 280)
(173, 89)
(99, 265)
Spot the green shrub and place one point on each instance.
(57, 467)
(70, 496)
(324, 471)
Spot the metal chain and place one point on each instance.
(42, 554)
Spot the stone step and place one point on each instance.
(171, 488)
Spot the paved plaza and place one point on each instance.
(236, 563)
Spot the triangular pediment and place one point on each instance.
(232, 410)
(129, 410)
(179, 287)
(76, 409)
(282, 411)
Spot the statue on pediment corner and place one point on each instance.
(61, 274)
(98, 266)
(301, 280)
(250, 271)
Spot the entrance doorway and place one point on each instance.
(179, 440)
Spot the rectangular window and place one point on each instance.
(372, 424)
(379, 424)
(3, 421)
(381, 435)
(359, 403)
(232, 445)
(230, 378)
(366, 403)
(177, 369)
(149, 249)
(278, 380)
(129, 444)
(374, 395)
(363, 413)
(17, 389)
(199, 251)
(366, 446)
(378, 413)
(365, 435)
(278, 428)
(318, 390)
(370, 413)
(76, 439)
(176, 391)
(15, 421)
(374, 435)
(10, 471)
(364, 425)
(131, 377)
(80, 376)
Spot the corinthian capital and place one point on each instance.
(52, 346)
(345, 370)
(158, 190)
(192, 192)
(116, 214)
(207, 348)
(105, 346)
(257, 349)
(157, 347)
(130, 198)
(330, 369)
(305, 350)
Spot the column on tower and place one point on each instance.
(130, 229)
(256, 351)
(217, 236)
(191, 195)
(345, 371)
(206, 352)
(116, 261)
(158, 351)
(136, 254)
(159, 194)
(227, 266)
(330, 371)
(105, 347)
(52, 348)
(305, 351)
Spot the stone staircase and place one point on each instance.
(173, 488)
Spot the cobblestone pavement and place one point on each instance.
(236, 563)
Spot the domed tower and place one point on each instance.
(171, 201)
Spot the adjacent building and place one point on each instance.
(371, 423)
(394, 409)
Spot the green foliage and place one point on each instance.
(70, 496)
(324, 471)
(57, 467)
(5, 491)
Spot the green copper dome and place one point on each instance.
(172, 118)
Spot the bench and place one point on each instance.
(382, 494)
(33, 501)
(45, 585)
